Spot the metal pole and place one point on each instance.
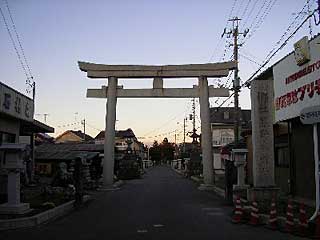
(84, 129)
(184, 135)
(108, 164)
(316, 168)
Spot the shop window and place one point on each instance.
(282, 157)
(7, 137)
(226, 115)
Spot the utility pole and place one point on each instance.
(84, 129)
(184, 135)
(194, 134)
(45, 115)
(236, 82)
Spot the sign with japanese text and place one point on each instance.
(15, 104)
(297, 86)
(310, 115)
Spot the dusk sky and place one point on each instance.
(57, 34)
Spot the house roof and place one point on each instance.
(78, 133)
(120, 134)
(28, 128)
(68, 147)
(226, 115)
(65, 155)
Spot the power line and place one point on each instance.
(249, 59)
(166, 123)
(18, 39)
(14, 45)
(251, 11)
(247, 82)
(246, 9)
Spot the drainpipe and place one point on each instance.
(316, 168)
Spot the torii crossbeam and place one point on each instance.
(202, 91)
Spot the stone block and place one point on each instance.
(20, 208)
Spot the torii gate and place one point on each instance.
(113, 91)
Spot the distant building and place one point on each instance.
(222, 128)
(121, 138)
(73, 136)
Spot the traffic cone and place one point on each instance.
(238, 212)
(254, 215)
(289, 220)
(317, 228)
(303, 221)
(273, 219)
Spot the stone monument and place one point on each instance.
(262, 140)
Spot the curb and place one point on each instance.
(41, 217)
(217, 190)
(177, 171)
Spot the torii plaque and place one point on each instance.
(113, 91)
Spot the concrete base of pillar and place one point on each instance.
(240, 187)
(206, 187)
(240, 190)
(21, 208)
(262, 195)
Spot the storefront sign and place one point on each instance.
(15, 104)
(297, 80)
(310, 115)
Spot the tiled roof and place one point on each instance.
(65, 147)
(120, 134)
(65, 155)
(79, 133)
(226, 115)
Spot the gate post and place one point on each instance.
(206, 138)
(108, 162)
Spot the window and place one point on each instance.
(282, 157)
(7, 137)
(226, 115)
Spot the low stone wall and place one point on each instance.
(41, 217)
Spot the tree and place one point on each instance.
(155, 153)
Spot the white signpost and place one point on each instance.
(311, 115)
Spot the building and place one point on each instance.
(296, 86)
(48, 156)
(222, 129)
(73, 136)
(122, 137)
(17, 125)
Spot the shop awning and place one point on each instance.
(28, 128)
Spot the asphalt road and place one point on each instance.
(162, 205)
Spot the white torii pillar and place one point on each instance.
(109, 139)
(206, 138)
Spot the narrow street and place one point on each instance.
(162, 205)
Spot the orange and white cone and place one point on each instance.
(289, 221)
(273, 219)
(303, 221)
(317, 228)
(238, 212)
(254, 215)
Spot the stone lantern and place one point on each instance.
(239, 157)
(12, 163)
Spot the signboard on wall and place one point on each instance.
(15, 104)
(297, 80)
